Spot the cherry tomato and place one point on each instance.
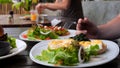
(24, 36)
(48, 38)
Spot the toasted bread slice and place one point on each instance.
(101, 45)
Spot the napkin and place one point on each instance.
(55, 21)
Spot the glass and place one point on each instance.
(42, 19)
(33, 15)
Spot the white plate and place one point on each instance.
(111, 53)
(21, 46)
(72, 33)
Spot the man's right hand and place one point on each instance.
(86, 27)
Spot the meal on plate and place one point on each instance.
(71, 51)
(5, 37)
(45, 32)
(9, 39)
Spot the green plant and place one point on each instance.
(5, 1)
(26, 4)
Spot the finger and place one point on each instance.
(85, 19)
(89, 23)
(81, 31)
(37, 6)
(78, 27)
(83, 24)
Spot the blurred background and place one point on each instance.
(98, 11)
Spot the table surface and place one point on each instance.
(22, 60)
(18, 22)
(4, 21)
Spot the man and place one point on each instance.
(110, 30)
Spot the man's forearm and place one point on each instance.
(111, 29)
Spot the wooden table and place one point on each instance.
(18, 22)
(4, 21)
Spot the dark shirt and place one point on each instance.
(74, 10)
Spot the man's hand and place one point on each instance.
(86, 27)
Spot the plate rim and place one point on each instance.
(96, 64)
(15, 53)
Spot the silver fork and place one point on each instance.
(67, 25)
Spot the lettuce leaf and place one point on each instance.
(60, 56)
(12, 41)
(35, 33)
(91, 51)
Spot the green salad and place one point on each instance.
(60, 56)
(67, 56)
(41, 34)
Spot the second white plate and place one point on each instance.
(72, 33)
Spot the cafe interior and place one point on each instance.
(39, 34)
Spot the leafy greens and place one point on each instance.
(60, 56)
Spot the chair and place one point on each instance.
(101, 11)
